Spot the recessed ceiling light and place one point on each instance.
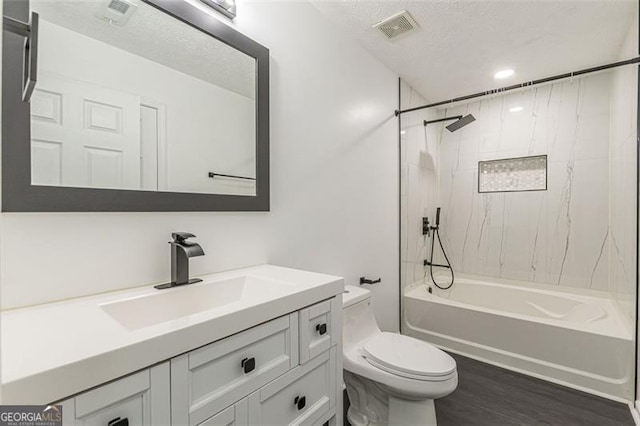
(403, 132)
(516, 109)
(503, 74)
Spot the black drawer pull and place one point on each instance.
(248, 365)
(300, 402)
(119, 422)
(321, 329)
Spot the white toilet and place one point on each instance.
(391, 379)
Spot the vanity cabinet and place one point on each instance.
(318, 329)
(285, 371)
(300, 397)
(306, 395)
(236, 415)
(208, 379)
(142, 398)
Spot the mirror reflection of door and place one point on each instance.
(122, 105)
(84, 135)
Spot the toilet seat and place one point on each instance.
(408, 357)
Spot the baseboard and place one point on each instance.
(635, 412)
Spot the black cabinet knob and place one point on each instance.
(321, 329)
(118, 422)
(248, 365)
(300, 402)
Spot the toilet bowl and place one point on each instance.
(391, 379)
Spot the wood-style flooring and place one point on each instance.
(492, 396)
(489, 395)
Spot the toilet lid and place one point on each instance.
(403, 354)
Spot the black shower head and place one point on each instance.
(460, 123)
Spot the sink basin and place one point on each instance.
(166, 305)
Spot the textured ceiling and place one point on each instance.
(461, 44)
(160, 38)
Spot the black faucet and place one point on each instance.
(181, 251)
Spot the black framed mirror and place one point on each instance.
(139, 105)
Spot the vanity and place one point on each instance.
(260, 345)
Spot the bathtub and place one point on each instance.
(575, 338)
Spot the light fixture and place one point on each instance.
(503, 74)
(403, 132)
(516, 109)
(226, 7)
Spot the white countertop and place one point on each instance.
(52, 351)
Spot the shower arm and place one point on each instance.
(440, 120)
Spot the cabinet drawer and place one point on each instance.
(236, 415)
(303, 396)
(206, 380)
(140, 399)
(317, 332)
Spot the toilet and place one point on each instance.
(391, 379)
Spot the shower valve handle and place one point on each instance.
(426, 226)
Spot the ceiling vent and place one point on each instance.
(395, 25)
(117, 12)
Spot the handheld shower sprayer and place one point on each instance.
(429, 262)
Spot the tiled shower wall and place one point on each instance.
(622, 178)
(419, 182)
(580, 232)
(559, 236)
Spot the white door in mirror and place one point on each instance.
(84, 135)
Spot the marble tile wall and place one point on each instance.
(559, 236)
(622, 180)
(581, 232)
(419, 182)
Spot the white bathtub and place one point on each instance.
(576, 338)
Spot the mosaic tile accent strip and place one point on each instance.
(513, 174)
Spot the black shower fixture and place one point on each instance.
(460, 122)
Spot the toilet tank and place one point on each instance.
(359, 323)
(353, 295)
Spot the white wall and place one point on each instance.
(334, 136)
(334, 184)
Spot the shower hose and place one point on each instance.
(436, 233)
